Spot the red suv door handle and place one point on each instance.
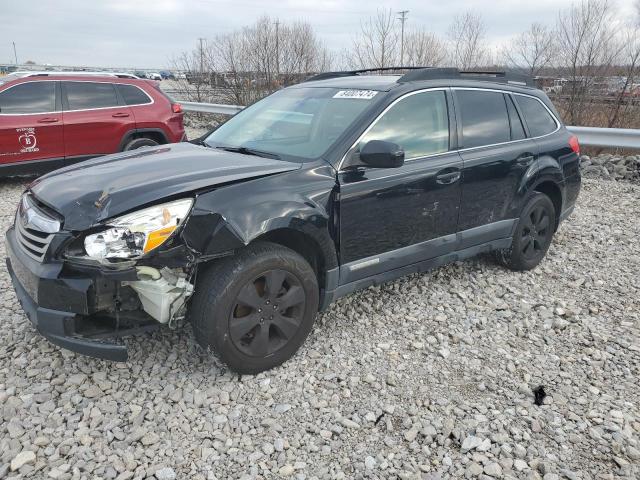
(120, 115)
(48, 120)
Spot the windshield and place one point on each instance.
(301, 122)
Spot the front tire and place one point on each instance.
(532, 236)
(255, 309)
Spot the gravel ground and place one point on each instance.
(428, 377)
(194, 131)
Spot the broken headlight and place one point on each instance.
(137, 233)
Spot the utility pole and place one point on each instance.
(15, 55)
(402, 18)
(201, 57)
(277, 22)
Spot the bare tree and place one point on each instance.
(468, 45)
(267, 55)
(624, 111)
(589, 46)
(194, 87)
(244, 66)
(532, 50)
(301, 52)
(423, 48)
(376, 46)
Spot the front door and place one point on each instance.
(392, 217)
(30, 123)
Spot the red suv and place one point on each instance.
(50, 121)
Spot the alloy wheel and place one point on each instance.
(536, 233)
(267, 313)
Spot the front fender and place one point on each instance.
(233, 216)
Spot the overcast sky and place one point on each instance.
(147, 33)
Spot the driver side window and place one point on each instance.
(419, 123)
(29, 97)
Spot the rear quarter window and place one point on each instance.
(133, 95)
(536, 116)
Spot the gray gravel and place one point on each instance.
(195, 126)
(426, 377)
(609, 166)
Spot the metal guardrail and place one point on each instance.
(210, 108)
(588, 136)
(607, 137)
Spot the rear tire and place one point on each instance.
(140, 142)
(255, 309)
(532, 236)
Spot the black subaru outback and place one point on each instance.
(341, 182)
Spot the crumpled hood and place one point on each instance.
(92, 191)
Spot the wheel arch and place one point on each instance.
(213, 236)
(156, 134)
(292, 208)
(545, 177)
(553, 191)
(301, 243)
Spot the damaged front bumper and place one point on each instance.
(66, 305)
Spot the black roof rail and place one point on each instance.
(327, 75)
(436, 73)
(499, 76)
(351, 73)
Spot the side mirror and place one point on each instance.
(382, 154)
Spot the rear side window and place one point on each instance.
(538, 118)
(517, 130)
(484, 118)
(32, 97)
(418, 123)
(133, 95)
(86, 95)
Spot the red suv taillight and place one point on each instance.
(176, 108)
(574, 144)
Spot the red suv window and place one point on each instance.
(85, 95)
(32, 97)
(132, 95)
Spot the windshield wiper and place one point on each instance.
(250, 151)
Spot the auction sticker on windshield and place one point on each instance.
(359, 94)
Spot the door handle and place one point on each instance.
(48, 120)
(448, 177)
(525, 160)
(120, 115)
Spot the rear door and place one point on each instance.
(497, 158)
(95, 118)
(31, 122)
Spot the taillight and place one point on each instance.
(176, 108)
(574, 144)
